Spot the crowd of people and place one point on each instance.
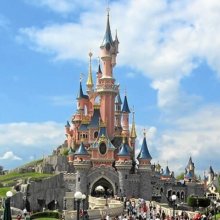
(142, 210)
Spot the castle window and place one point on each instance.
(96, 134)
(78, 179)
(126, 176)
(102, 148)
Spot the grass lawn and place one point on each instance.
(3, 191)
(13, 176)
(217, 217)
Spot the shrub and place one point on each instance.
(46, 215)
(198, 202)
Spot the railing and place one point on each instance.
(98, 208)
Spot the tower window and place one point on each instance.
(102, 148)
(95, 134)
(78, 179)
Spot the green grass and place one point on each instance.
(3, 191)
(12, 177)
(217, 217)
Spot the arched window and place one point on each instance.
(85, 110)
(96, 134)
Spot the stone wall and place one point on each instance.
(42, 193)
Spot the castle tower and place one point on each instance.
(118, 104)
(125, 118)
(211, 175)
(106, 89)
(190, 172)
(144, 170)
(89, 82)
(123, 165)
(82, 101)
(82, 164)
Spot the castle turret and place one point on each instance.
(118, 103)
(190, 172)
(125, 118)
(144, 170)
(89, 82)
(123, 165)
(82, 164)
(106, 89)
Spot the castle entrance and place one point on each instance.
(102, 188)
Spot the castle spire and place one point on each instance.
(133, 129)
(144, 152)
(89, 82)
(107, 41)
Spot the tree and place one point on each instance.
(1, 170)
(180, 176)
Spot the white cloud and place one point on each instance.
(64, 6)
(29, 141)
(31, 134)
(9, 155)
(196, 135)
(165, 41)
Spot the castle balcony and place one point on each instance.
(107, 88)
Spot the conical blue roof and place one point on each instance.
(107, 41)
(124, 151)
(94, 123)
(211, 170)
(67, 124)
(81, 150)
(167, 172)
(125, 107)
(81, 94)
(144, 152)
(99, 70)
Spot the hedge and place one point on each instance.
(46, 214)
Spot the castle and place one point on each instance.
(101, 144)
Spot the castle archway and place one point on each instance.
(107, 186)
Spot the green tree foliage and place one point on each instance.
(198, 202)
(180, 176)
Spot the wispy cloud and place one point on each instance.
(25, 138)
(9, 155)
(66, 100)
(161, 39)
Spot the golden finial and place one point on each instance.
(123, 139)
(133, 130)
(89, 82)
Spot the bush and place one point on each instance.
(46, 215)
(198, 202)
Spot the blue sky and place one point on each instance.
(168, 63)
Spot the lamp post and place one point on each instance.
(215, 204)
(55, 203)
(64, 204)
(78, 198)
(7, 206)
(173, 198)
(83, 203)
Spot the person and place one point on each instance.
(163, 215)
(7, 209)
(19, 216)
